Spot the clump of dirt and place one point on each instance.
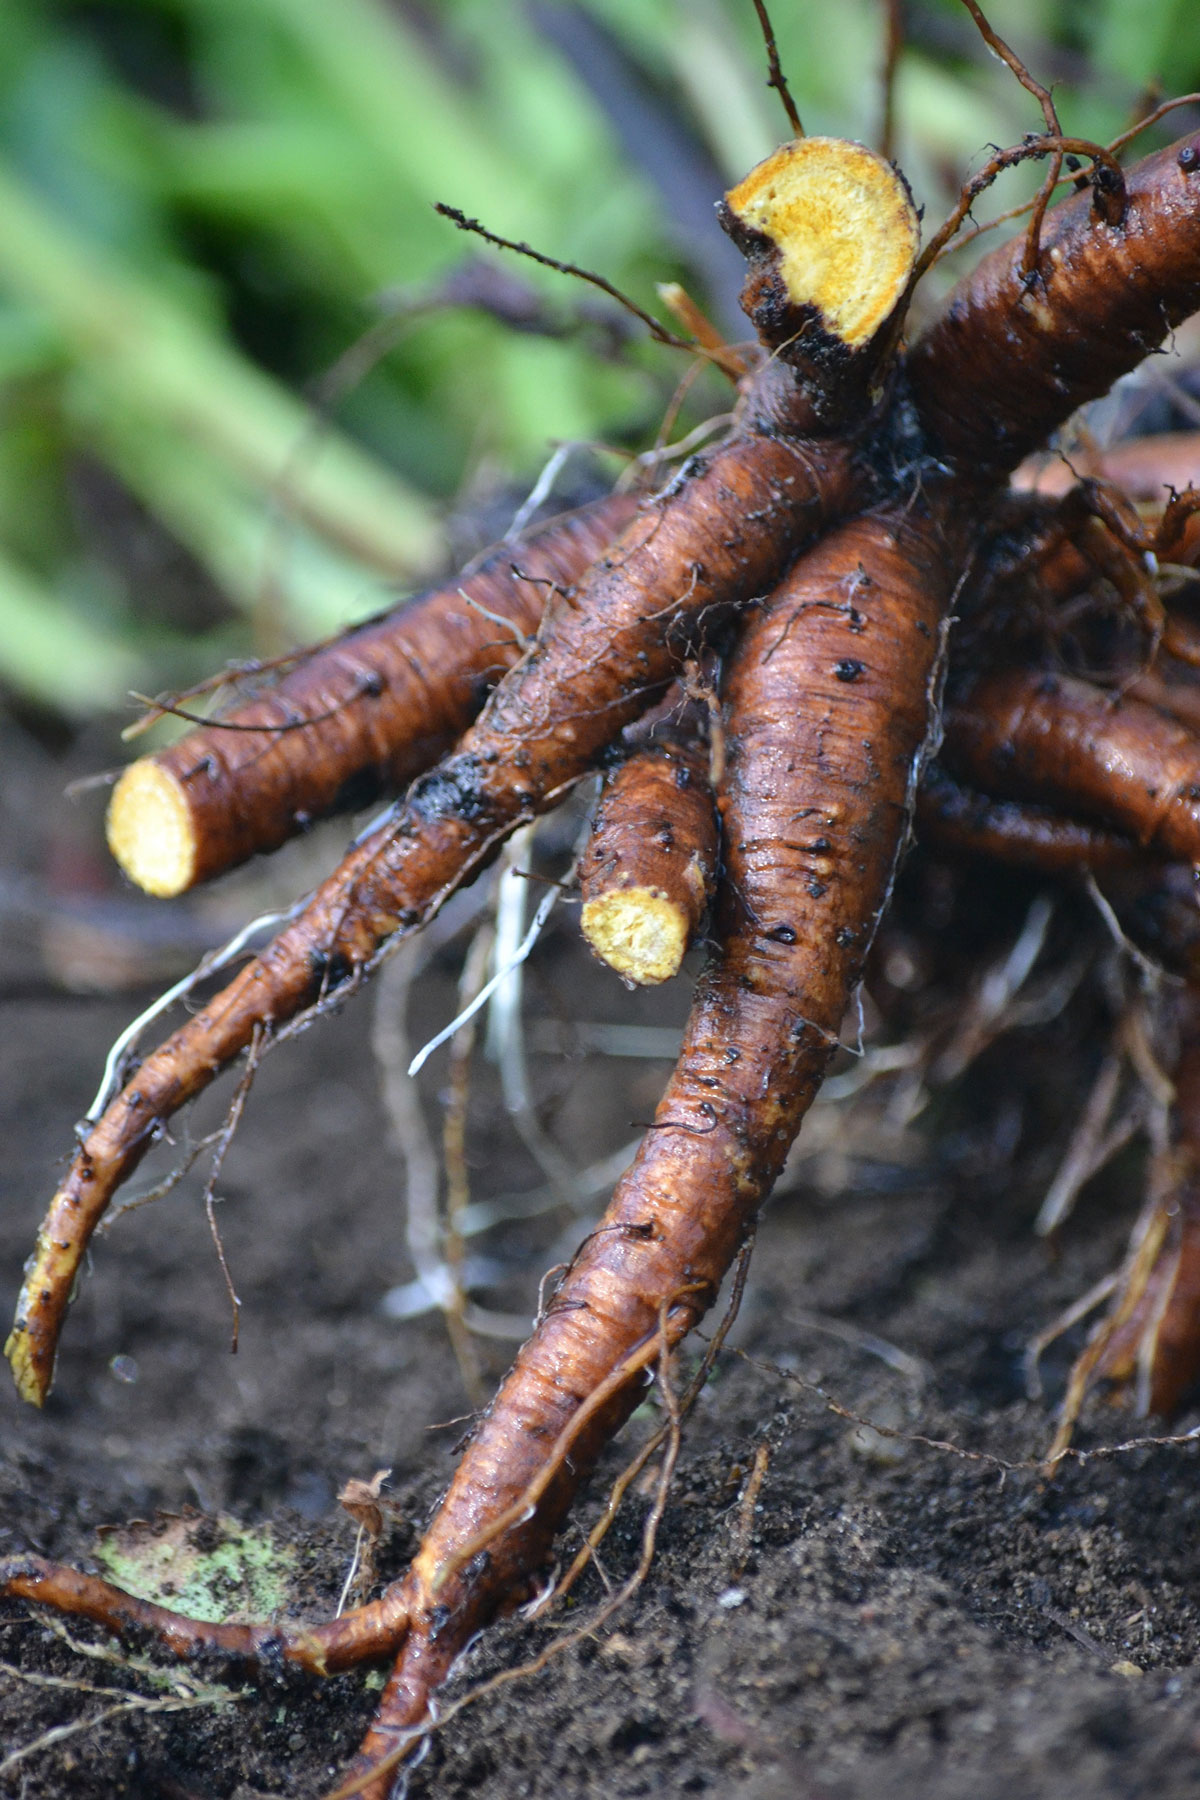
(890, 1617)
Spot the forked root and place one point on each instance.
(600, 657)
(811, 840)
(831, 698)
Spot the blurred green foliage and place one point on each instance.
(206, 204)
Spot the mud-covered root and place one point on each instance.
(369, 1631)
(352, 719)
(1060, 742)
(830, 233)
(647, 873)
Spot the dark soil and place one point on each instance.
(892, 1619)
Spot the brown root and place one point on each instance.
(711, 540)
(1061, 742)
(959, 821)
(648, 870)
(353, 719)
(1103, 297)
(812, 845)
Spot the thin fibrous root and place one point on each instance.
(370, 1631)
(1149, 1338)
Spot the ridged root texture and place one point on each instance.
(1058, 740)
(354, 718)
(816, 803)
(712, 540)
(1010, 357)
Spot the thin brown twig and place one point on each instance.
(743, 1529)
(1030, 1466)
(1033, 146)
(1152, 118)
(657, 330)
(775, 76)
(223, 678)
(679, 302)
(1109, 188)
(162, 1188)
(1008, 55)
(893, 44)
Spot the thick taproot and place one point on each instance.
(830, 699)
(960, 821)
(1062, 742)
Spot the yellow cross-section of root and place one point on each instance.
(845, 227)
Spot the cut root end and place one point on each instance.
(638, 932)
(838, 229)
(150, 830)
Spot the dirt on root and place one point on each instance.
(888, 1618)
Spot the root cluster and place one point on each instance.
(758, 654)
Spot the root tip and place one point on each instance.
(29, 1379)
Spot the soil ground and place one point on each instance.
(890, 1620)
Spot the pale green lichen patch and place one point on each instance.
(212, 1569)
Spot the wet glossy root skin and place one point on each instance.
(1055, 739)
(711, 540)
(321, 1649)
(1104, 297)
(386, 700)
(816, 805)
(829, 700)
(962, 822)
